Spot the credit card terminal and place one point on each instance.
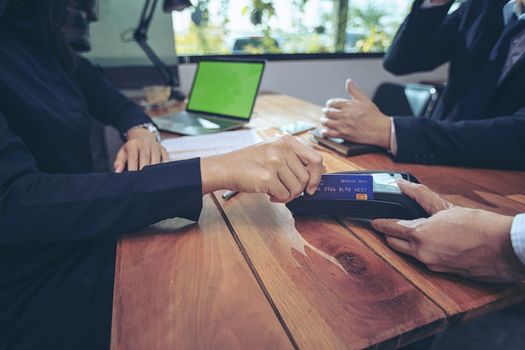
(360, 195)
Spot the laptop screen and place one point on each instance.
(226, 88)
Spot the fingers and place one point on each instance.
(332, 113)
(337, 103)
(164, 155)
(312, 160)
(138, 154)
(429, 200)
(315, 177)
(120, 161)
(330, 133)
(278, 192)
(299, 171)
(290, 181)
(400, 245)
(354, 91)
(392, 227)
(133, 158)
(155, 155)
(399, 233)
(144, 157)
(330, 123)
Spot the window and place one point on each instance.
(226, 27)
(287, 28)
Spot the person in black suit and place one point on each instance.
(480, 118)
(59, 221)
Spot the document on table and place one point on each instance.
(208, 145)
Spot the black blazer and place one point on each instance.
(58, 220)
(487, 133)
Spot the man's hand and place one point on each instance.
(468, 242)
(140, 150)
(358, 120)
(283, 169)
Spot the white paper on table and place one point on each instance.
(187, 147)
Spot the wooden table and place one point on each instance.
(251, 276)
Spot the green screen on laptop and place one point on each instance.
(226, 88)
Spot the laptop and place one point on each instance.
(222, 97)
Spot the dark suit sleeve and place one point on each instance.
(37, 207)
(105, 102)
(424, 41)
(497, 142)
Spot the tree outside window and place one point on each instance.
(243, 27)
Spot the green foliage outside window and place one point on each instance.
(342, 26)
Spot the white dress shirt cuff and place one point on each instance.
(517, 236)
(393, 138)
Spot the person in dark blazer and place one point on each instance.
(59, 221)
(480, 118)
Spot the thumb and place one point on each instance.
(354, 91)
(429, 200)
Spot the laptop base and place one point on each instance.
(192, 124)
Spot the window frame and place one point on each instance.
(284, 56)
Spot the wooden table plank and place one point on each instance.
(189, 287)
(308, 283)
(477, 188)
(331, 291)
(510, 184)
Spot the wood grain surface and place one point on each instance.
(251, 276)
(331, 290)
(181, 286)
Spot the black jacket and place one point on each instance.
(58, 220)
(477, 121)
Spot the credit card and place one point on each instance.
(344, 186)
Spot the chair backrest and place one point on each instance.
(397, 99)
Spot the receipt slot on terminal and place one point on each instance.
(360, 195)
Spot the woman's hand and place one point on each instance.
(283, 169)
(140, 150)
(358, 120)
(468, 242)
